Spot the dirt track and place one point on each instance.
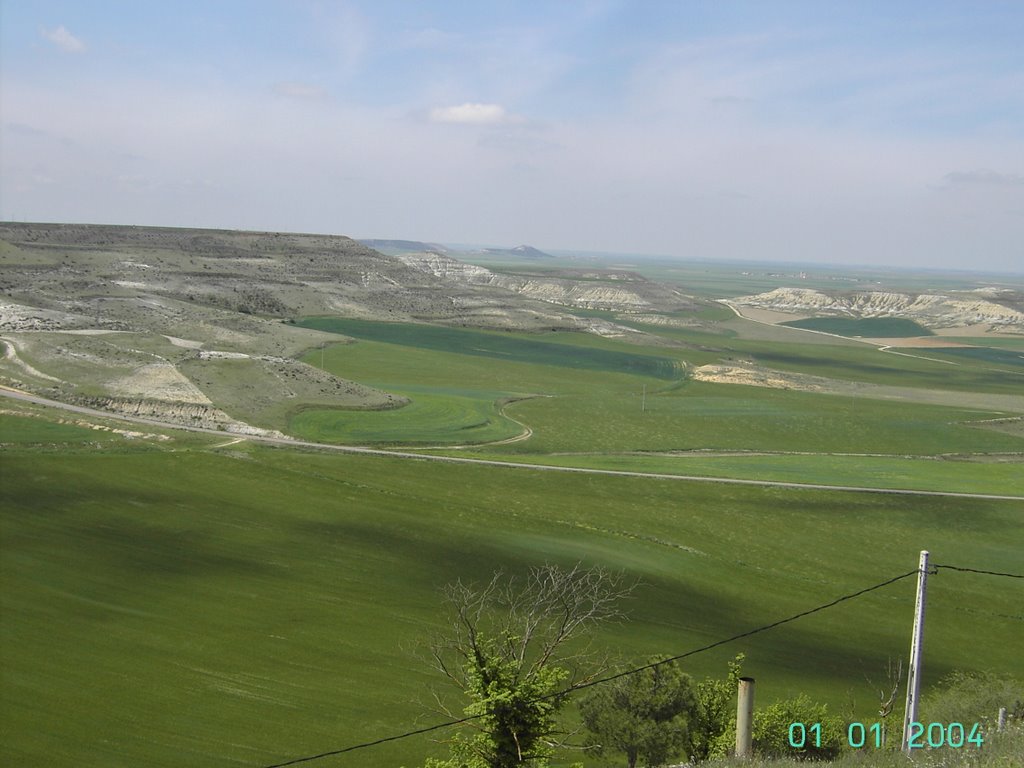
(26, 397)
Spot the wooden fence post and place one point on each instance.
(745, 718)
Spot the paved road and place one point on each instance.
(26, 397)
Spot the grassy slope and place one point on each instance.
(187, 607)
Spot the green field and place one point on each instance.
(442, 415)
(562, 350)
(19, 430)
(870, 327)
(848, 361)
(609, 409)
(202, 607)
(732, 417)
(1007, 358)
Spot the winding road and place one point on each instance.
(16, 394)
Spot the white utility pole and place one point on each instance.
(914, 672)
(643, 402)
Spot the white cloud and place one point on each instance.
(293, 90)
(63, 39)
(473, 114)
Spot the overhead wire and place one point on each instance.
(590, 683)
(977, 570)
(600, 681)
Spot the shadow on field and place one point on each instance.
(143, 550)
(910, 513)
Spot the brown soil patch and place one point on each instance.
(980, 330)
(758, 377)
(771, 316)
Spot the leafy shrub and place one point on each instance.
(772, 730)
(645, 715)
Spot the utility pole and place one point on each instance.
(643, 401)
(914, 672)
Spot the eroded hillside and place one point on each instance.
(1001, 308)
(190, 324)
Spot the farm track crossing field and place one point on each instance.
(999, 475)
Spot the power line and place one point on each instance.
(975, 570)
(602, 680)
(740, 636)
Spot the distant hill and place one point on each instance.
(520, 251)
(394, 247)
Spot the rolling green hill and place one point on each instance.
(243, 605)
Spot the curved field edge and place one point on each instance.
(429, 418)
(249, 605)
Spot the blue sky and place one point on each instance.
(887, 133)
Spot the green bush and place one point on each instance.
(712, 731)
(772, 730)
(646, 715)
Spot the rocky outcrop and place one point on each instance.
(931, 310)
(447, 268)
(188, 414)
(585, 294)
(19, 317)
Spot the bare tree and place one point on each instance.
(513, 650)
(887, 692)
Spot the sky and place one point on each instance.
(846, 133)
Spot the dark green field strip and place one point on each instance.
(1002, 357)
(202, 609)
(502, 346)
(868, 327)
